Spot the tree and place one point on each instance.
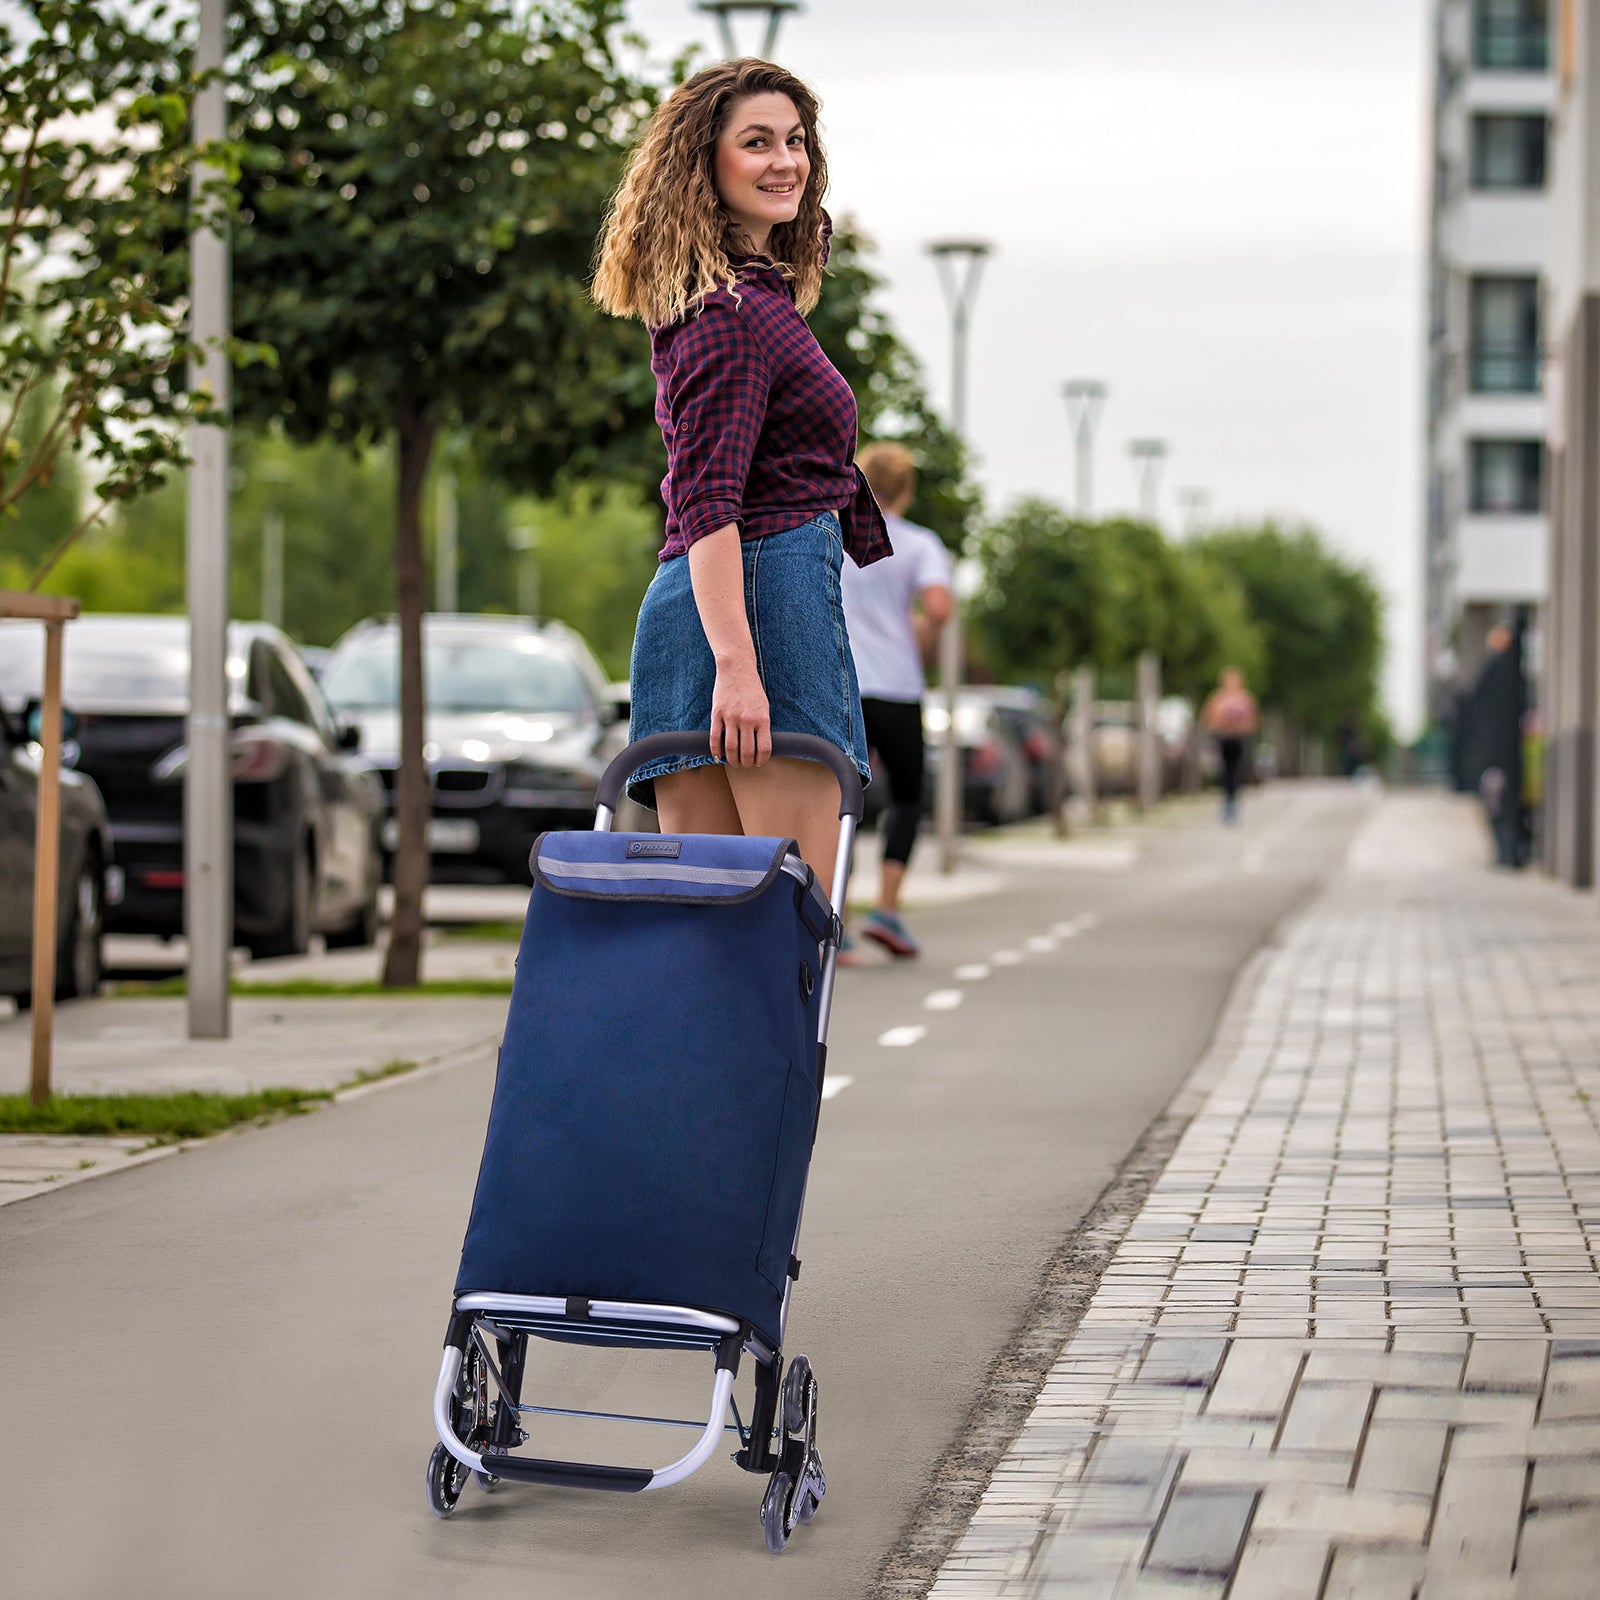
(420, 190)
(858, 338)
(94, 199)
(1051, 596)
(1321, 623)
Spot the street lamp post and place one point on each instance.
(726, 10)
(524, 539)
(1194, 503)
(960, 266)
(208, 783)
(1084, 397)
(1148, 455)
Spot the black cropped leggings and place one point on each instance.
(894, 730)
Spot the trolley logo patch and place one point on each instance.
(668, 848)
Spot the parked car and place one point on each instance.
(1025, 714)
(520, 723)
(996, 774)
(87, 878)
(306, 812)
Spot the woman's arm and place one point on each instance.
(741, 723)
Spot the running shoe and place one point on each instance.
(848, 955)
(889, 931)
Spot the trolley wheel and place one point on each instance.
(776, 1523)
(447, 1477)
(799, 1396)
(486, 1481)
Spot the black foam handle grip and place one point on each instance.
(804, 745)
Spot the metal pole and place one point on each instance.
(960, 291)
(208, 787)
(1084, 397)
(1083, 694)
(445, 557)
(1148, 455)
(1149, 776)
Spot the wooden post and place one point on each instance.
(54, 614)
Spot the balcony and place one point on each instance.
(1504, 368)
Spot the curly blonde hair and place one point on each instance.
(667, 243)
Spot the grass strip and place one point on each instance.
(478, 932)
(390, 1069)
(314, 988)
(161, 1118)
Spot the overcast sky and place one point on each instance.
(1217, 206)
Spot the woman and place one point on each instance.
(716, 240)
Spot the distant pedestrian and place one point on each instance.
(1231, 715)
(895, 610)
(716, 240)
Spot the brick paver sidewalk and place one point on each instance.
(1351, 1344)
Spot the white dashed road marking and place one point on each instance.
(1087, 921)
(1041, 944)
(943, 1000)
(1006, 958)
(899, 1038)
(973, 972)
(835, 1085)
(1065, 930)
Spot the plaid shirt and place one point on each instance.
(759, 426)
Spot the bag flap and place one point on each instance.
(723, 868)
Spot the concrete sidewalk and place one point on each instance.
(1350, 1346)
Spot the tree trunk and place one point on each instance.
(414, 432)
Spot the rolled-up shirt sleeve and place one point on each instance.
(715, 389)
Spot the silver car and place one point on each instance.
(519, 725)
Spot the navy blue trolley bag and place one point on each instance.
(642, 1178)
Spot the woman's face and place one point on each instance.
(762, 165)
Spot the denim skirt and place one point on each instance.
(791, 596)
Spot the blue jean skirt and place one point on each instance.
(791, 596)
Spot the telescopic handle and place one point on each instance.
(656, 745)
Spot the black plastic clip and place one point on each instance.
(577, 1308)
(794, 1266)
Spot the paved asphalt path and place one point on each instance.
(215, 1372)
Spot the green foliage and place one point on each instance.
(1321, 622)
(94, 201)
(419, 196)
(1049, 597)
(858, 338)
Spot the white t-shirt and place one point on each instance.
(877, 610)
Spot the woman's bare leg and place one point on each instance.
(697, 800)
(791, 799)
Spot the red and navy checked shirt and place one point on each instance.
(760, 428)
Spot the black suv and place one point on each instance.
(519, 726)
(306, 812)
(86, 873)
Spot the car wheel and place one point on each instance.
(292, 936)
(361, 932)
(79, 960)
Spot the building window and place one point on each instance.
(1507, 475)
(1504, 318)
(1508, 152)
(1511, 35)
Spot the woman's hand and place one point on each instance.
(741, 723)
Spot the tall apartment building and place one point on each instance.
(1486, 529)
(1570, 692)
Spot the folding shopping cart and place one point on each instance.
(645, 1163)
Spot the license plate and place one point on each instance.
(447, 836)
